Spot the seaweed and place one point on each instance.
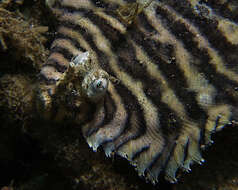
(22, 39)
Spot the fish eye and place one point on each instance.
(95, 84)
(100, 84)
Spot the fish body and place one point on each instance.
(176, 63)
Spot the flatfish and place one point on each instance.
(177, 71)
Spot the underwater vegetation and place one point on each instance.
(149, 81)
(13, 28)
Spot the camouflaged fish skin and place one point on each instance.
(176, 63)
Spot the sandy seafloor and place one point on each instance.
(36, 156)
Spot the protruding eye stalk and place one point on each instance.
(91, 81)
(100, 85)
(95, 84)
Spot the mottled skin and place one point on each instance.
(146, 94)
(81, 87)
(82, 83)
(78, 81)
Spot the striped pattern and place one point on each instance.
(178, 71)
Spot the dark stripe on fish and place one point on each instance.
(90, 17)
(134, 68)
(223, 9)
(110, 109)
(72, 40)
(100, 4)
(151, 133)
(208, 27)
(66, 53)
(174, 76)
(55, 63)
(130, 101)
(216, 79)
(161, 161)
(47, 80)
